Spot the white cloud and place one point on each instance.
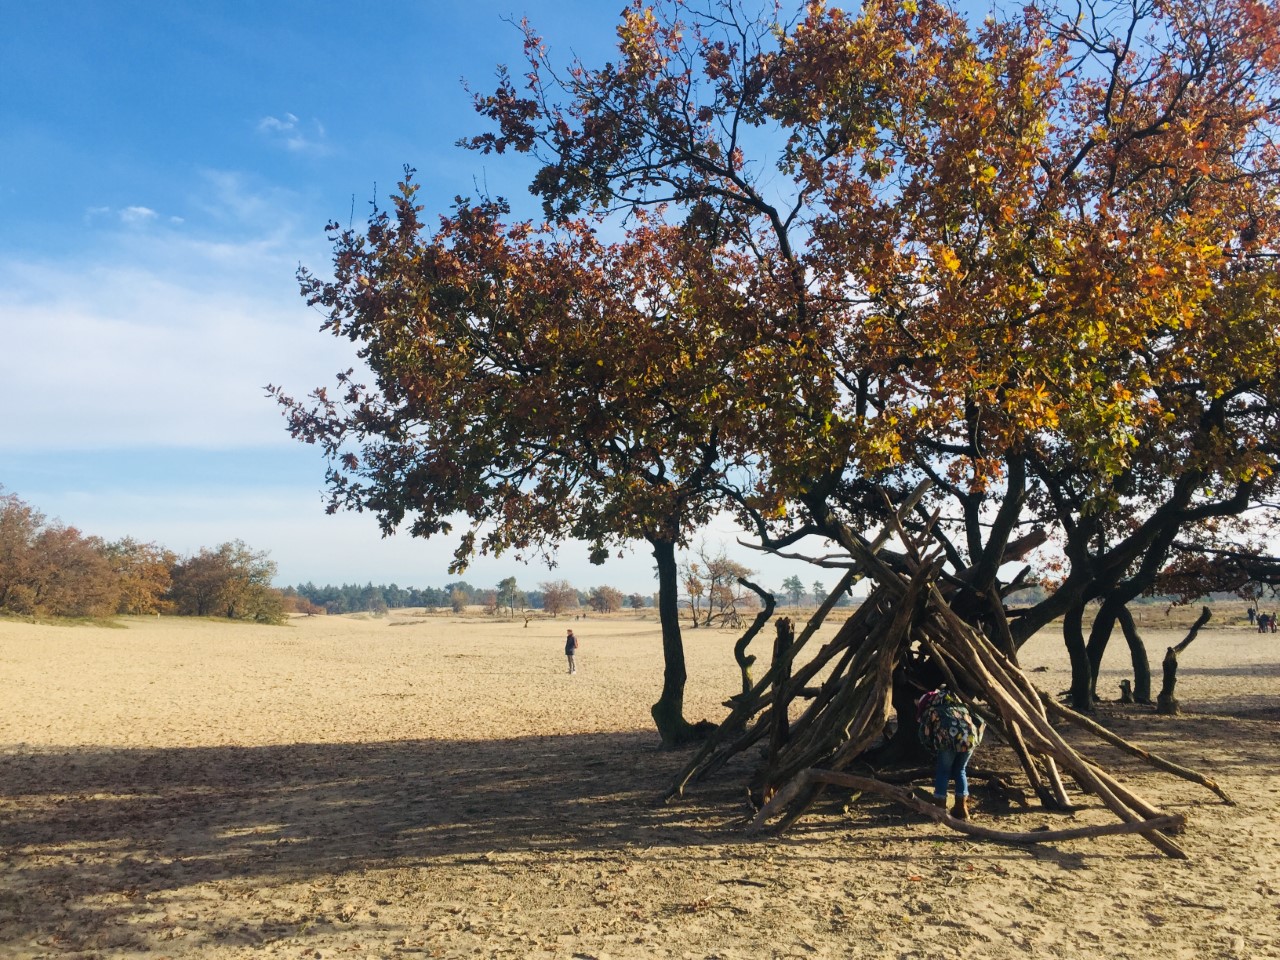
(131, 216)
(158, 339)
(271, 124)
(187, 370)
(137, 214)
(294, 134)
(231, 201)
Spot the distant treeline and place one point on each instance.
(553, 597)
(353, 598)
(50, 569)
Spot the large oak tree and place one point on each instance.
(1031, 260)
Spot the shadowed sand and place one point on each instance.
(441, 787)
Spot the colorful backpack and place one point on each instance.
(945, 723)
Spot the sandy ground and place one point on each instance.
(439, 787)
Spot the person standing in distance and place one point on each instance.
(570, 649)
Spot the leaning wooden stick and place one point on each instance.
(1157, 761)
(813, 777)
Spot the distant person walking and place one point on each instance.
(571, 650)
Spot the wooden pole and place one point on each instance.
(813, 777)
(1155, 760)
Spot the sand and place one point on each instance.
(419, 786)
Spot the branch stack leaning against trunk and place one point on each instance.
(846, 712)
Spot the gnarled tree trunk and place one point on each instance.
(1081, 672)
(1166, 702)
(745, 660)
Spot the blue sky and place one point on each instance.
(165, 167)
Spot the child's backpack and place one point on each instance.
(945, 723)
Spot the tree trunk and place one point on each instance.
(781, 730)
(1081, 672)
(1099, 635)
(905, 743)
(1138, 655)
(747, 661)
(1166, 702)
(668, 712)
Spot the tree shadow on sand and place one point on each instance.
(89, 822)
(88, 835)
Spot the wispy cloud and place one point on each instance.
(137, 214)
(161, 337)
(294, 134)
(131, 216)
(240, 203)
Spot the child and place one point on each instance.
(947, 728)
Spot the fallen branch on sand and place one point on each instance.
(1172, 823)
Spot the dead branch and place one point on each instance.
(1165, 822)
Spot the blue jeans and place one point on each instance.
(951, 764)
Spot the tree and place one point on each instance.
(371, 599)
(19, 525)
(694, 590)
(509, 595)
(605, 600)
(71, 575)
(142, 570)
(793, 589)
(558, 596)
(636, 601)
(295, 602)
(230, 581)
(1058, 255)
(1031, 263)
(459, 599)
(564, 407)
(714, 581)
(52, 569)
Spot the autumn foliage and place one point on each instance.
(53, 570)
(794, 270)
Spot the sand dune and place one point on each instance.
(419, 786)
